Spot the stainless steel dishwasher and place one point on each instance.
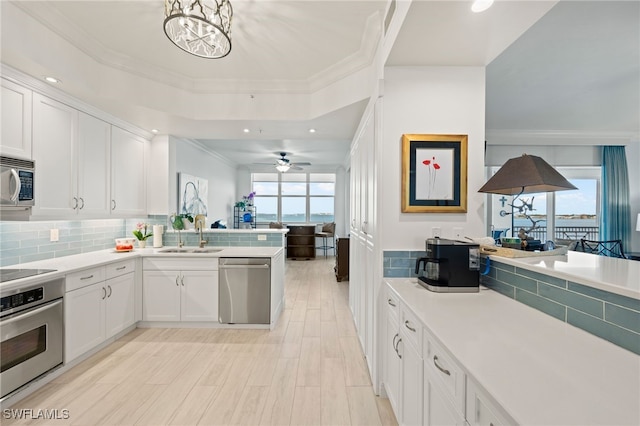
(244, 295)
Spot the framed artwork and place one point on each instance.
(192, 194)
(434, 173)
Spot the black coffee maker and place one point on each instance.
(450, 266)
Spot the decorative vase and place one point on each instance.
(142, 243)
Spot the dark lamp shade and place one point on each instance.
(525, 175)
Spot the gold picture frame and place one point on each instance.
(434, 173)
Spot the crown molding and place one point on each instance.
(559, 137)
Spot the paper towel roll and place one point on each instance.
(157, 235)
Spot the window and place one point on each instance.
(562, 215)
(294, 197)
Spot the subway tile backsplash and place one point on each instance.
(22, 242)
(607, 315)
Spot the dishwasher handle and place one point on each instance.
(265, 266)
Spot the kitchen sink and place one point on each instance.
(189, 250)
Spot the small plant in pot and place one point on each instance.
(179, 223)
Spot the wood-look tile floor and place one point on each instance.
(309, 370)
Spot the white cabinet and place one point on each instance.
(482, 410)
(128, 183)
(438, 409)
(175, 290)
(392, 358)
(92, 167)
(54, 151)
(98, 304)
(15, 120)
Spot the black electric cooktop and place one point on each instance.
(14, 274)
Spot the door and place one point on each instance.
(199, 298)
(119, 304)
(84, 320)
(161, 296)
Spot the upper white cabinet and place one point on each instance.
(93, 166)
(128, 195)
(15, 120)
(54, 151)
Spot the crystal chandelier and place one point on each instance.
(199, 27)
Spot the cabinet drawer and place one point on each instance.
(120, 268)
(411, 328)
(444, 369)
(84, 278)
(393, 304)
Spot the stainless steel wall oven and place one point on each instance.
(31, 332)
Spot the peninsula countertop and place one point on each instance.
(540, 370)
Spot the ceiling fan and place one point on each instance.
(283, 164)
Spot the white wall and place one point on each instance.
(430, 100)
(194, 160)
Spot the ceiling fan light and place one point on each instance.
(481, 5)
(282, 168)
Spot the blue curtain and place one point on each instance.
(615, 220)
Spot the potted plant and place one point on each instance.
(180, 222)
(141, 233)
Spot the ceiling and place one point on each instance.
(303, 64)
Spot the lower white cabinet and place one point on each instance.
(482, 411)
(411, 382)
(99, 303)
(179, 294)
(438, 409)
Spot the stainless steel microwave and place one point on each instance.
(17, 177)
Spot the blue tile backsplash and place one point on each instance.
(22, 242)
(607, 315)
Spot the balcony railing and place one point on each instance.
(567, 233)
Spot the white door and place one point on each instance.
(411, 394)
(84, 320)
(161, 296)
(93, 166)
(54, 151)
(120, 305)
(15, 120)
(438, 409)
(128, 194)
(199, 295)
(392, 365)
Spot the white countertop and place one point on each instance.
(67, 264)
(231, 231)
(619, 276)
(540, 370)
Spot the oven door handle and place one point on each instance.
(18, 316)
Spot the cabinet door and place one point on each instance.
(199, 295)
(412, 381)
(54, 151)
(128, 194)
(392, 365)
(438, 409)
(84, 320)
(93, 166)
(120, 304)
(15, 121)
(161, 296)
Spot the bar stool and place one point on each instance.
(328, 231)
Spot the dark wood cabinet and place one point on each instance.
(301, 242)
(342, 259)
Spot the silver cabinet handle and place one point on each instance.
(397, 346)
(389, 301)
(406, 324)
(104, 293)
(121, 268)
(182, 280)
(86, 278)
(177, 276)
(113, 204)
(81, 205)
(110, 291)
(435, 362)
(393, 343)
(75, 203)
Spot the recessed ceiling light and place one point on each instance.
(52, 80)
(154, 130)
(246, 130)
(312, 130)
(481, 5)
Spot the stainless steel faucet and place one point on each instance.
(200, 221)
